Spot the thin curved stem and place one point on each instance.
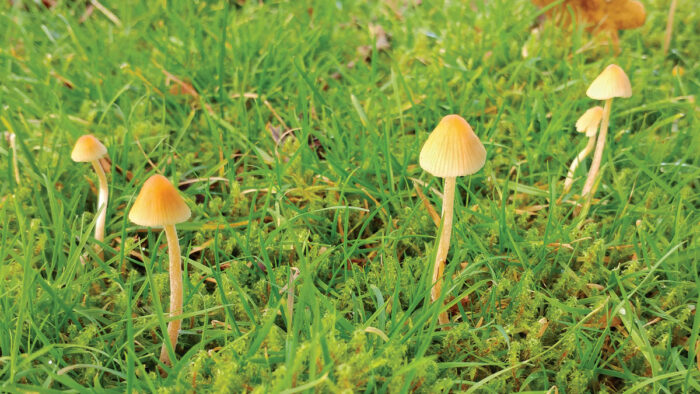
(444, 243)
(669, 26)
(175, 292)
(101, 207)
(599, 147)
(574, 164)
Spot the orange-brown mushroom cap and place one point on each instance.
(452, 149)
(158, 204)
(88, 148)
(612, 82)
(589, 121)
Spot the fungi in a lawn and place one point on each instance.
(90, 149)
(611, 83)
(451, 150)
(159, 204)
(588, 123)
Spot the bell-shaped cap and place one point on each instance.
(589, 121)
(612, 82)
(158, 204)
(88, 148)
(452, 149)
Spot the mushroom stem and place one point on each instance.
(600, 146)
(444, 243)
(175, 291)
(574, 164)
(101, 206)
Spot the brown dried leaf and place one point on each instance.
(602, 14)
(599, 15)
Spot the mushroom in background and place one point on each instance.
(611, 83)
(588, 123)
(90, 149)
(451, 150)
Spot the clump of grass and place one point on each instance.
(299, 154)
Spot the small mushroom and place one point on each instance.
(90, 149)
(588, 123)
(451, 150)
(159, 204)
(611, 83)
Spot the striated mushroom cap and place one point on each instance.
(88, 148)
(589, 121)
(159, 204)
(452, 149)
(612, 82)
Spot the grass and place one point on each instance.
(540, 297)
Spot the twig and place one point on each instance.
(106, 12)
(155, 167)
(669, 26)
(428, 205)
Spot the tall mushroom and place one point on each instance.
(588, 123)
(159, 205)
(90, 149)
(611, 83)
(451, 150)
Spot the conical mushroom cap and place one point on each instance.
(589, 121)
(612, 82)
(88, 148)
(452, 149)
(158, 204)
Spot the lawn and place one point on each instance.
(293, 129)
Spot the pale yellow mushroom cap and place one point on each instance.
(612, 82)
(158, 204)
(452, 149)
(589, 121)
(88, 148)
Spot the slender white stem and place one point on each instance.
(101, 206)
(443, 243)
(574, 164)
(599, 147)
(175, 292)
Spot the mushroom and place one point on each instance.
(90, 149)
(612, 82)
(159, 204)
(588, 122)
(451, 150)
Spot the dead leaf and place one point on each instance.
(604, 321)
(382, 37)
(381, 42)
(599, 15)
(544, 323)
(182, 87)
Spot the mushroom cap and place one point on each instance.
(88, 148)
(158, 204)
(589, 121)
(452, 149)
(612, 82)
